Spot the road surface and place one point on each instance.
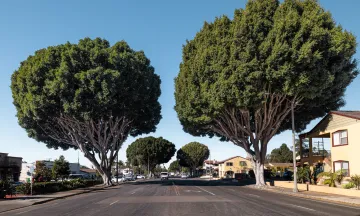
(183, 197)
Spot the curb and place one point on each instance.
(274, 190)
(57, 198)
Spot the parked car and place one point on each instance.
(184, 176)
(129, 178)
(140, 177)
(119, 179)
(287, 175)
(164, 176)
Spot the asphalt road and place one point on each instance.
(183, 197)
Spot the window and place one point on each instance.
(340, 138)
(342, 165)
(243, 163)
(229, 164)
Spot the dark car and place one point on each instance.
(287, 175)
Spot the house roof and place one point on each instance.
(349, 114)
(88, 170)
(346, 113)
(230, 159)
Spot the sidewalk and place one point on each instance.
(24, 201)
(355, 201)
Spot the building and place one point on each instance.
(25, 175)
(74, 167)
(10, 167)
(88, 173)
(234, 165)
(342, 130)
(211, 167)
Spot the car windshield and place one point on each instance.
(164, 173)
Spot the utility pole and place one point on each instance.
(117, 168)
(295, 190)
(148, 166)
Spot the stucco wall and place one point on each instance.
(348, 152)
(236, 168)
(351, 151)
(318, 188)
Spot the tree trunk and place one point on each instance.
(106, 176)
(259, 173)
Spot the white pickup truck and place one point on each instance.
(164, 176)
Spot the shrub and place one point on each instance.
(349, 185)
(24, 188)
(355, 179)
(53, 187)
(337, 176)
(6, 189)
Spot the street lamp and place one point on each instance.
(295, 189)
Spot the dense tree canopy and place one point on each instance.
(239, 78)
(281, 155)
(90, 79)
(61, 168)
(88, 95)
(150, 151)
(294, 48)
(193, 155)
(175, 166)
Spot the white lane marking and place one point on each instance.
(301, 207)
(176, 189)
(23, 212)
(205, 190)
(253, 195)
(114, 202)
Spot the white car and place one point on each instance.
(184, 176)
(120, 179)
(164, 176)
(140, 177)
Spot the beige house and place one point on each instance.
(232, 166)
(342, 129)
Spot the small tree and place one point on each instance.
(193, 155)
(42, 173)
(240, 78)
(61, 168)
(281, 155)
(150, 152)
(175, 166)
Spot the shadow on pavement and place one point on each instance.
(192, 182)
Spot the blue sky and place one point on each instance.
(158, 27)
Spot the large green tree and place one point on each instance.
(175, 166)
(150, 151)
(61, 168)
(240, 78)
(89, 96)
(281, 155)
(193, 155)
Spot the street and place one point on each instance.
(183, 197)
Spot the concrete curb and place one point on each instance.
(316, 198)
(57, 198)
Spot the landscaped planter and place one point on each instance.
(319, 188)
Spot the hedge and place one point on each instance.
(52, 187)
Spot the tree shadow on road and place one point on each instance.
(191, 182)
